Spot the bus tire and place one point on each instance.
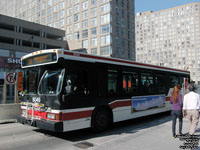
(102, 120)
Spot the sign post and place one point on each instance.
(10, 79)
(4, 90)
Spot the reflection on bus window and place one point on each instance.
(174, 80)
(51, 82)
(112, 82)
(160, 84)
(147, 83)
(30, 81)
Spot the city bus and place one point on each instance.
(65, 90)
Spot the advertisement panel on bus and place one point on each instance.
(140, 103)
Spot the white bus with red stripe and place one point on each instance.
(65, 90)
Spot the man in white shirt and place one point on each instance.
(191, 106)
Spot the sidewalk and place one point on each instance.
(153, 138)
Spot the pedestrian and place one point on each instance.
(177, 104)
(191, 106)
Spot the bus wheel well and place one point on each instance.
(102, 118)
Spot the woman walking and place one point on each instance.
(177, 104)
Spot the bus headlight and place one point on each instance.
(51, 116)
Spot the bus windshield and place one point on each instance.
(30, 81)
(51, 82)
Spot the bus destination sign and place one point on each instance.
(39, 59)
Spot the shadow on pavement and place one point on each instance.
(128, 127)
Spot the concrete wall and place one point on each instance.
(9, 112)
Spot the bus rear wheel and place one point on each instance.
(102, 120)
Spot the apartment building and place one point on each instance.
(170, 37)
(103, 27)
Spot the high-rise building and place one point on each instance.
(103, 27)
(170, 37)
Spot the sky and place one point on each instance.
(156, 5)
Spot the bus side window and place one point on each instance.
(112, 82)
(174, 80)
(77, 83)
(130, 83)
(160, 84)
(147, 84)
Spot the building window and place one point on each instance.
(76, 26)
(94, 31)
(69, 37)
(105, 8)
(49, 19)
(76, 17)
(62, 13)
(105, 50)
(85, 5)
(93, 2)
(61, 22)
(84, 24)
(106, 19)
(76, 8)
(85, 43)
(94, 51)
(93, 42)
(117, 20)
(76, 1)
(106, 29)
(85, 14)
(69, 11)
(55, 8)
(69, 29)
(84, 33)
(104, 1)
(69, 20)
(62, 5)
(93, 22)
(69, 3)
(76, 36)
(105, 40)
(49, 2)
(93, 12)
(55, 24)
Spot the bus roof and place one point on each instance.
(77, 56)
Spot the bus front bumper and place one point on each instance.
(42, 124)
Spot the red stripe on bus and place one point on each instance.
(122, 61)
(65, 116)
(121, 104)
(77, 115)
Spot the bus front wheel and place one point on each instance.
(102, 120)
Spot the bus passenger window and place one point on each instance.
(160, 84)
(173, 80)
(77, 83)
(112, 82)
(130, 83)
(147, 84)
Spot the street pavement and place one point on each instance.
(149, 133)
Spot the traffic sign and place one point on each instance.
(11, 78)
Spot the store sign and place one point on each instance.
(8, 62)
(14, 61)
